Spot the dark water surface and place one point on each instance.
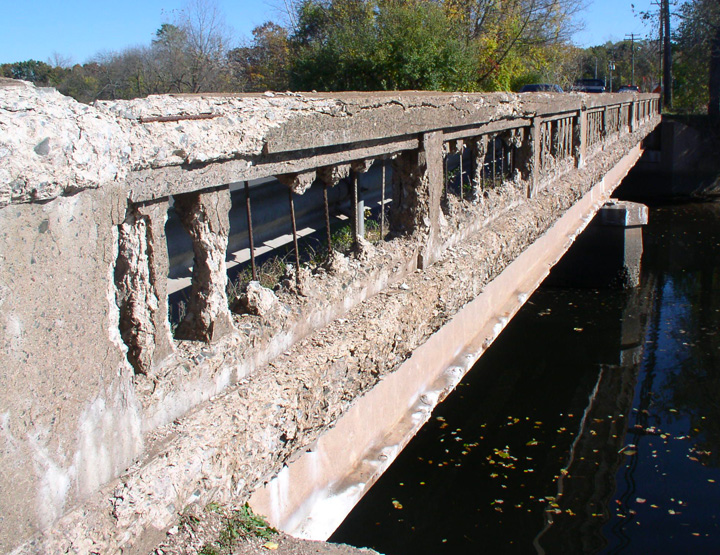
(592, 424)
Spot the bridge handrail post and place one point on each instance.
(580, 138)
(632, 116)
(529, 160)
(141, 271)
(205, 216)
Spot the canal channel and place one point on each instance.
(591, 425)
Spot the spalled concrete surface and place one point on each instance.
(52, 145)
(101, 455)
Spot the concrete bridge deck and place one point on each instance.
(112, 427)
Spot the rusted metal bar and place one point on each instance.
(494, 162)
(503, 153)
(382, 200)
(327, 218)
(295, 239)
(354, 208)
(462, 147)
(250, 231)
(182, 117)
(445, 175)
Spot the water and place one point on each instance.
(592, 425)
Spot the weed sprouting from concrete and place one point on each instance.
(239, 524)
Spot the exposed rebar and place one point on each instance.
(382, 200)
(354, 208)
(494, 163)
(462, 146)
(327, 218)
(295, 240)
(250, 231)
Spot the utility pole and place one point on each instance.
(632, 49)
(667, 56)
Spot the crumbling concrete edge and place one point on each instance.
(428, 376)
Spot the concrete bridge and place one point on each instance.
(113, 424)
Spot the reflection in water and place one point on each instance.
(591, 425)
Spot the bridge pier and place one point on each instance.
(608, 253)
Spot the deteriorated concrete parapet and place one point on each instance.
(141, 290)
(332, 175)
(135, 295)
(299, 182)
(205, 217)
(478, 147)
(417, 191)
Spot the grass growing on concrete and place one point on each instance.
(269, 274)
(240, 524)
(272, 271)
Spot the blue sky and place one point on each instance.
(79, 29)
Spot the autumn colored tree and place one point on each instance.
(264, 64)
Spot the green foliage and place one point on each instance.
(263, 65)
(333, 45)
(269, 275)
(697, 48)
(239, 524)
(380, 45)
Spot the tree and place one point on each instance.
(517, 37)
(380, 45)
(206, 45)
(697, 63)
(263, 65)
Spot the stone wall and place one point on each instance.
(96, 394)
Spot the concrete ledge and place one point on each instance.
(623, 214)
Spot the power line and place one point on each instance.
(632, 42)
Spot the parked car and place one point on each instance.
(629, 88)
(589, 86)
(541, 87)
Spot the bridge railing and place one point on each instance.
(92, 361)
(527, 147)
